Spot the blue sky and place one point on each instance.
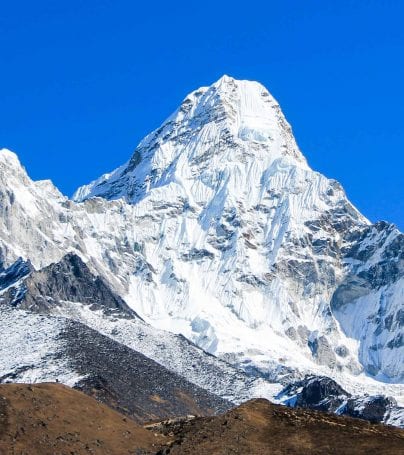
(82, 82)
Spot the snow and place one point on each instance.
(173, 352)
(29, 348)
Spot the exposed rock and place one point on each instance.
(324, 394)
(68, 280)
(372, 408)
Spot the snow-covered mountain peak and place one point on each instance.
(218, 132)
(9, 160)
(245, 107)
(216, 228)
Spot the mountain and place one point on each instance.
(250, 253)
(217, 229)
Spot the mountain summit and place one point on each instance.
(221, 127)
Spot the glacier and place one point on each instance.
(217, 229)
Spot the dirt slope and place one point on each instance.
(50, 419)
(261, 428)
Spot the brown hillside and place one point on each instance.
(53, 419)
(261, 428)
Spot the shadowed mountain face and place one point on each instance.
(67, 280)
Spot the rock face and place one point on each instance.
(217, 228)
(324, 394)
(67, 280)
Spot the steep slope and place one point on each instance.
(217, 229)
(51, 418)
(39, 348)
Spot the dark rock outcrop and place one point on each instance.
(324, 394)
(17, 271)
(67, 280)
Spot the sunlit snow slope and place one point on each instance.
(218, 229)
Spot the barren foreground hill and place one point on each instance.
(258, 427)
(49, 419)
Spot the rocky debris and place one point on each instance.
(130, 382)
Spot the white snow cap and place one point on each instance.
(231, 125)
(249, 111)
(8, 157)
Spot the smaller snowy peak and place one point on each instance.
(9, 159)
(47, 186)
(15, 178)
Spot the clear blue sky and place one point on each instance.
(81, 82)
